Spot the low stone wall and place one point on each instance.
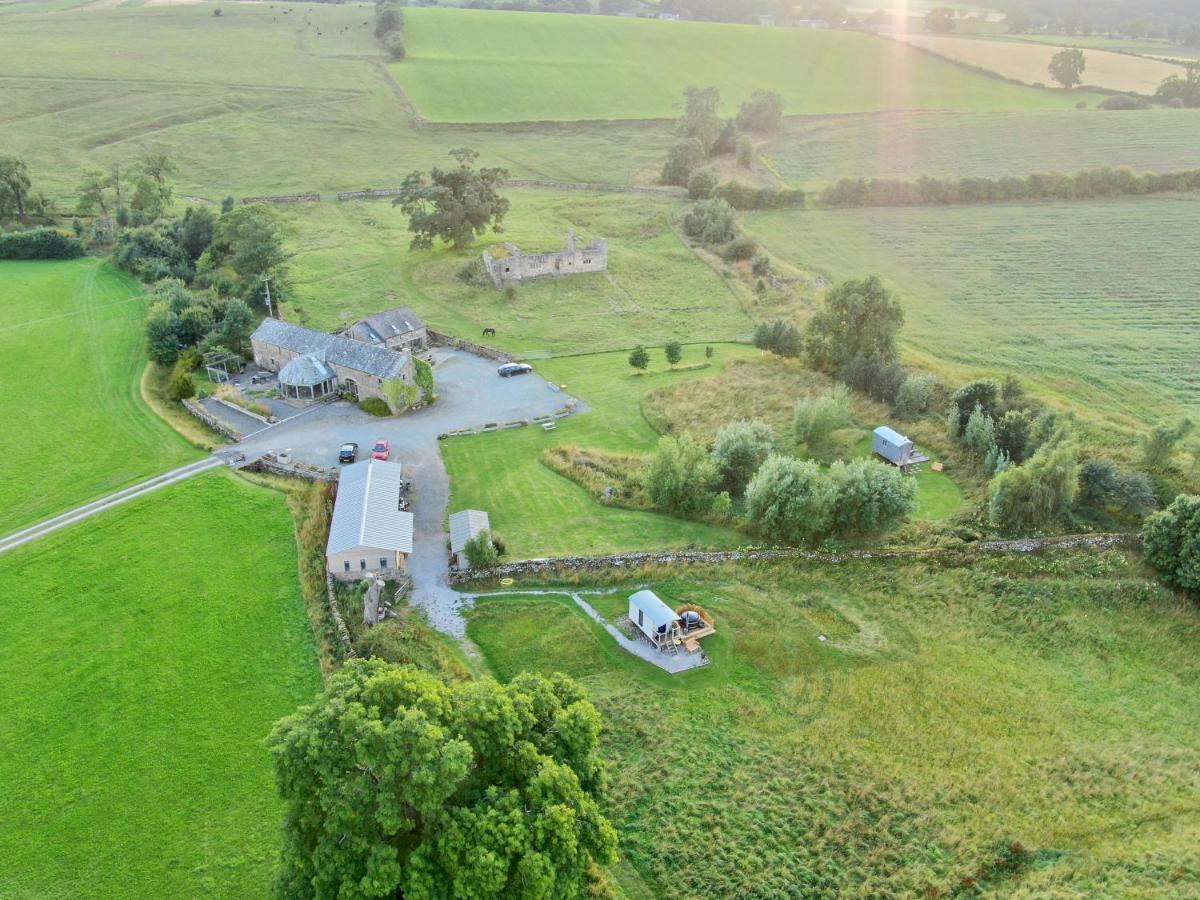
(244, 411)
(338, 621)
(564, 564)
(212, 421)
(446, 340)
(595, 186)
(283, 198)
(368, 194)
(294, 470)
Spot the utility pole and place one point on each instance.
(267, 286)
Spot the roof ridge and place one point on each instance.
(362, 520)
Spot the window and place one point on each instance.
(587, 262)
(362, 565)
(383, 562)
(641, 618)
(346, 563)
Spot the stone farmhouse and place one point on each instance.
(514, 266)
(369, 533)
(396, 329)
(312, 363)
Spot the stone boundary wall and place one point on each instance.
(446, 340)
(294, 470)
(212, 421)
(557, 565)
(339, 623)
(663, 191)
(312, 197)
(244, 411)
(368, 194)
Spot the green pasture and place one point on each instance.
(951, 712)
(1091, 301)
(484, 66)
(354, 258)
(147, 654)
(541, 513)
(71, 359)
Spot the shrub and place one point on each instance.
(740, 448)
(1035, 494)
(680, 476)
(711, 222)
(39, 243)
(914, 396)
(181, 385)
(1159, 446)
(983, 393)
(1124, 101)
(871, 496)
(1102, 486)
(639, 358)
(423, 376)
(779, 337)
(374, 406)
(481, 552)
(739, 249)
(874, 377)
(683, 158)
(790, 501)
(762, 112)
(745, 152)
(1172, 542)
(1012, 433)
(393, 43)
(761, 265)
(674, 352)
(701, 184)
(980, 434)
(818, 416)
(474, 273)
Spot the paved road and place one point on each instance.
(49, 526)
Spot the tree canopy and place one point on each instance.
(456, 205)
(1067, 67)
(860, 318)
(14, 187)
(1172, 541)
(396, 783)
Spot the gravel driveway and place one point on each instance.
(470, 395)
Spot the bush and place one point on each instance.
(423, 376)
(474, 273)
(181, 385)
(1159, 446)
(739, 249)
(374, 406)
(762, 112)
(481, 552)
(701, 184)
(914, 396)
(742, 196)
(1034, 495)
(393, 43)
(872, 376)
(1172, 542)
(983, 393)
(683, 158)
(790, 501)
(761, 266)
(818, 416)
(39, 243)
(1124, 101)
(871, 496)
(779, 337)
(740, 448)
(680, 476)
(711, 222)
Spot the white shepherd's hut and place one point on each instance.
(896, 448)
(653, 618)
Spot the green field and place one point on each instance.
(1094, 302)
(953, 711)
(541, 513)
(482, 66)
(71, 357)
(353, 258)
(1125, 45)
(147, 654)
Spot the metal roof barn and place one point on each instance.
(367, 511)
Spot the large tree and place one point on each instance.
(397, 784)
(456, 205)
(790, 501)
(248, 243)
(860, 318)
(680, 476)
(700, 118)
(1172, 541)
(1067, 67)
(14, 188)
(740, 448)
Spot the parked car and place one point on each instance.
(509, 369)
(381, 450)
(348, 453)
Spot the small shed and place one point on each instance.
(464, 525)
(896, 448)
(653, 618)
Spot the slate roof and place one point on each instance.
(367, 511)
(464, 525)
(382, 326)
(341, 351)
(306, 371)
(654, 608)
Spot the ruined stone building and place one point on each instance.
(515, 266)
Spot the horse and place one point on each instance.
(489, 332)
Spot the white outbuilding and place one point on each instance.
(369, 534)
(464, 525)
(653, 618)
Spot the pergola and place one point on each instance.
(307, 378)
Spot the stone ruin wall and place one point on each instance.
(518, 266)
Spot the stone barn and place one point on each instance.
(396, 329)
(312, 364)
(513, 266)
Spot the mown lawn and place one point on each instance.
(952, 711)
(541, 513)
(72, 351)
(483, 66)
(147, 654)
(1085, 299)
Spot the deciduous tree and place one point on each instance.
(1172, 542)
(860, 318)
(639, 358)
(674, 352)
(456, 205)
(14, 188)
(790, 501)
(739, 450)
(680, 477)
(1067, 67)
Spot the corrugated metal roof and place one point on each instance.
(367, 512)
(382, 326)
(654, 608)
(305, 371)
(464, 525)
(895, 438)
(342, 351)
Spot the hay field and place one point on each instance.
(71, 359)
(1027, 62)
(1093, 301)
(147, 654)
(483, 66)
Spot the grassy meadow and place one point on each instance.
(71, 356)
(353, 258)
(1092, 302)
(952, 711)
(147, 655)
(483, 66)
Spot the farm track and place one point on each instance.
(79, 513)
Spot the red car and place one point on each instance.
(381, 450)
